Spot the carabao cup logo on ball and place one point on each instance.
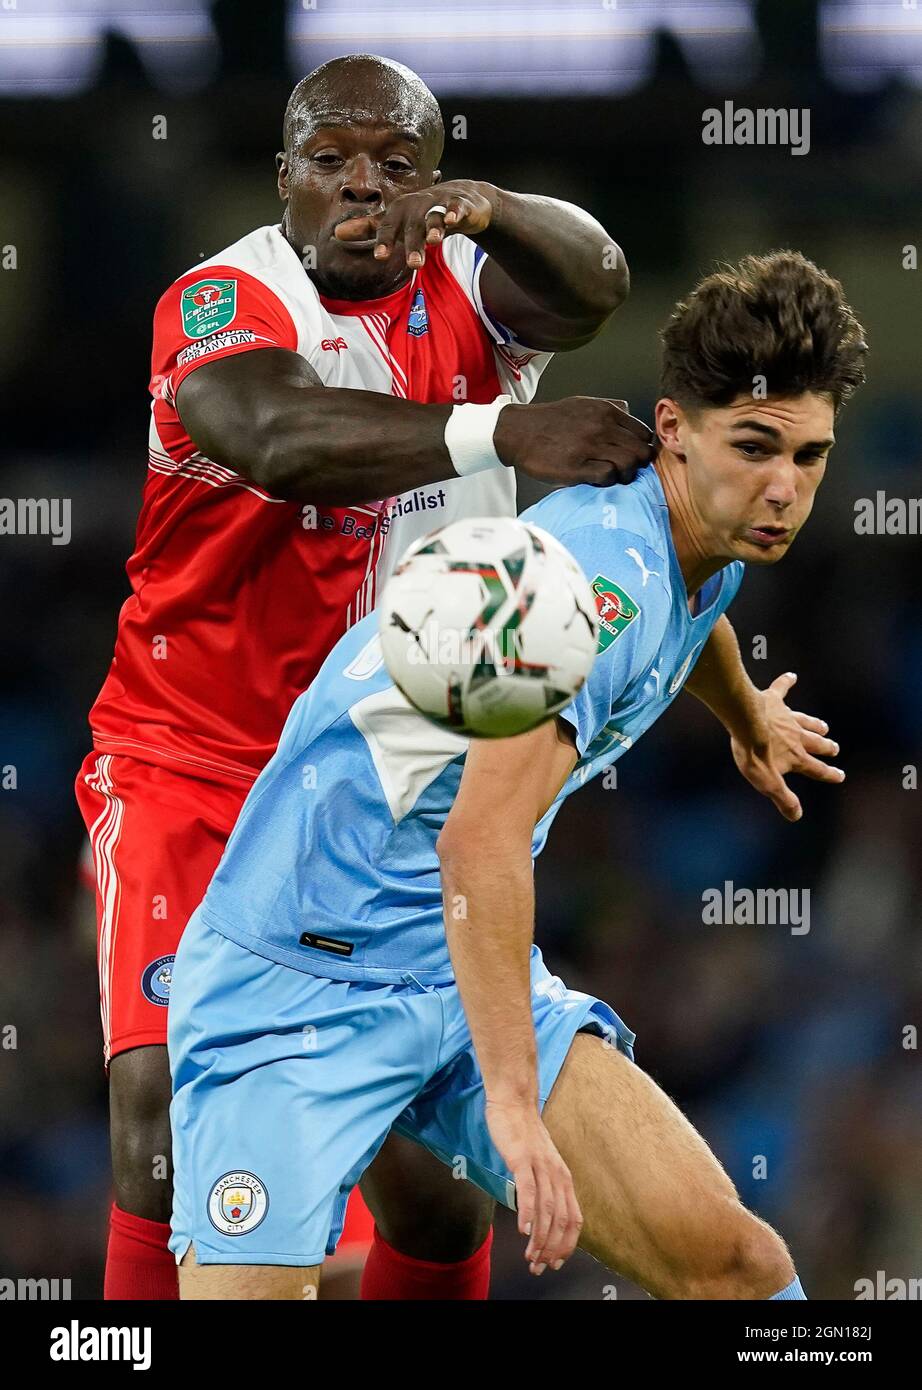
(488, 626)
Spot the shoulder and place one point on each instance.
(462, 257)
(260, 264)
(518, 366)
(614, 521)
(620, 547)
(258, 283)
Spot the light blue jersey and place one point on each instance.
(332, 866)
(332, 870)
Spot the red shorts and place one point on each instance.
(156, 837)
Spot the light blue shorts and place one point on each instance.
(285, 1086)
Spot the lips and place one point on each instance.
(767, 536)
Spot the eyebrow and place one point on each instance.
(341, 121)
(775, 435)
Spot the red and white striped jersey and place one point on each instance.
(237, 596)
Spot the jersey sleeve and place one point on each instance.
(212, 313)
(518, 366)
(632, 623)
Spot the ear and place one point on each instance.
(670, 421)
(437, 176)
(281, 164)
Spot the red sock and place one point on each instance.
(390, 1275)
(138, 1263)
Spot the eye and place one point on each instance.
(399, 166)
(750, 450)
(327, 159)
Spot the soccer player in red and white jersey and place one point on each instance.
(324, 391)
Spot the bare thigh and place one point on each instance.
(237, 1282)
(657, 1206)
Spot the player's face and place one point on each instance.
(347, 171)
(753, 471)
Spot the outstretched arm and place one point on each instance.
(267, 415)
(767, 739)
(488, 893)
(554, 275)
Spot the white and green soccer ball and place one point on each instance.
(488, 626)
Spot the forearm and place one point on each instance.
(341, 447)
(489, 905)
(558, 255)
(268, 416)
(719, 680)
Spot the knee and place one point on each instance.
(745, 1259)
(446, 1227)
(139, 1122)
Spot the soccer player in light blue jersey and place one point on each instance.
(363, 960)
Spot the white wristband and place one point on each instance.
(469, 436)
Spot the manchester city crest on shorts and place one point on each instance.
(418, 322)
(156, 980)
(237, 1204)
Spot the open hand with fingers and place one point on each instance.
(548, 1212)
(580, 439)
(425, 217)
(783, 741)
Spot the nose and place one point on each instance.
(781, 491)
(360, 183)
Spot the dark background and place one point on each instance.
(785, 1046)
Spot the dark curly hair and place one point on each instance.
(777, 317)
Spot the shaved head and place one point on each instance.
(364, 89)
(360, 132)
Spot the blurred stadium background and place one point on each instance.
(791, 1047)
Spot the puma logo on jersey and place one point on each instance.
(634, 555)
(334, 345)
